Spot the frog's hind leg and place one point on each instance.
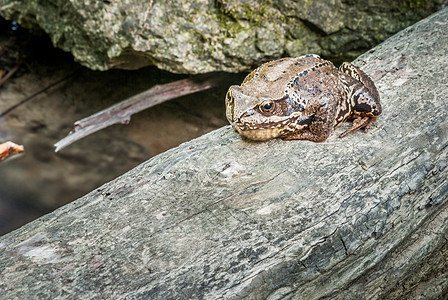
(364, 92)
(358, 123)
(356, 73)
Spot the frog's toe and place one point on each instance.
(359, 123)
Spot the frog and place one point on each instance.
(302, 98)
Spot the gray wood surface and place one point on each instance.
(219, 218)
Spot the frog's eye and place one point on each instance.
(267, 106)
(229, 97)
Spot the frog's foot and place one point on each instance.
(358, 123)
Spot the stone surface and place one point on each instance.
(205, 35)
(219, 218)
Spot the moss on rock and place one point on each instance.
(200, 36)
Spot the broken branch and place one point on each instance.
(121, 112)
(9, 74)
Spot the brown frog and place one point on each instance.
(302, 98)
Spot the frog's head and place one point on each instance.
(258, 117)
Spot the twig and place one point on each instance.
(9, 74)
(37, 93)
(121, 112)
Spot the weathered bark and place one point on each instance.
(365, 216)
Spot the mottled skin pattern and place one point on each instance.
(302, 98)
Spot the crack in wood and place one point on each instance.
(343, 244)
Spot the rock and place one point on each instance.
(203, 35)
(220, 218)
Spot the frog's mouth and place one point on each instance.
(247, 122)
(277, 126)
(260, 134)
(260, 131)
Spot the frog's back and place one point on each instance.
(274, 78)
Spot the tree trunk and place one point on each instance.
(365, 216)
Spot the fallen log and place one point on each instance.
(365, 216)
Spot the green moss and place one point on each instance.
(230, 17)
(416, 4)
(228, 21)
